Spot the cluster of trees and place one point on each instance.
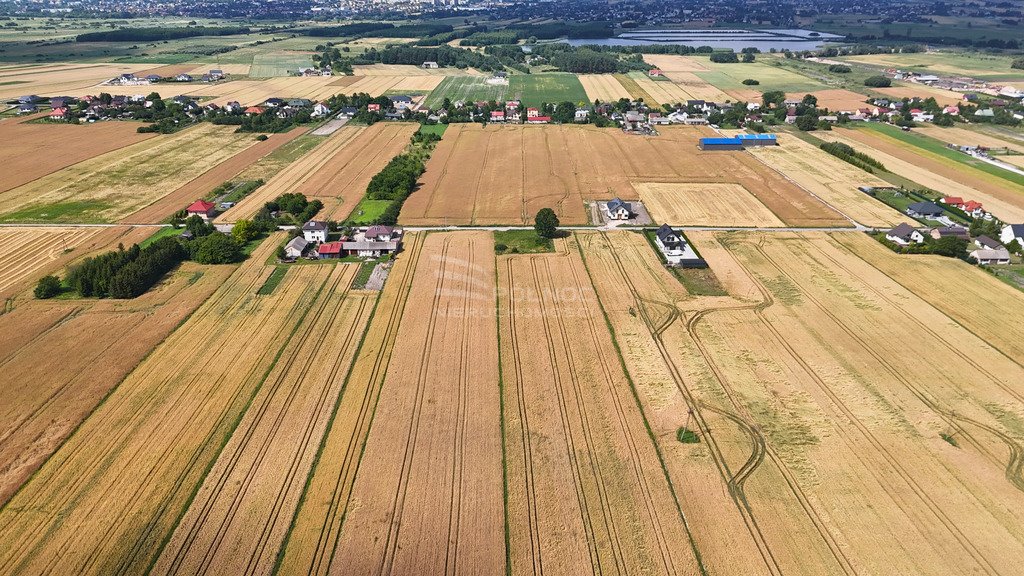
(208, 246)
(397, 180)
(847, 153)
(839, 68)
(878, 81)
(415, 55)
(356, 29)
(1018, 64)
(546, 223)
(949, 246)
(268, 121)
(159, 33)
(120, 273)
(295, 206)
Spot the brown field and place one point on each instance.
(28, 253)
(427, 497)
(61, 79)
(664, 92)
(586, 488)
(835, 100)
(227, 68)
(258, 478)
(705, 204)
(109, 187)
(48, 393)
(114, 491)
(674, 63)
(943, 97)
(1001, 197)
(336, 172)
(830, 179)
(408, 71)
(317, 525)
(207, 181)
(504, 174)
(635, 91)
(603, 87)
(170, 70)
(28, 150)
(828, 443)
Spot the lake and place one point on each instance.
(736, 40)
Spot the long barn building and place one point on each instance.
(738, 142)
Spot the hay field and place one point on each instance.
(1001, 197)
(32, 151)
(198, 187)
(674, 63)
(830, 179)
(705, 204)
(836, 100)
(260, 475)
(335, 172)
(697, 87)
(231, 69)
(663, 92)
(604, 87)
(828, 444)
(586, 486)
(316, 528)
(47, 393)
(505, 174)
(28, 253)
(114, 491)
(113, 185)
(407, 71)
(428, 494)
(61, 79)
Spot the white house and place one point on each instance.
(674, 247)
(987, 256)
(319, 109)
(1012, 232)
(616, 209)
(904, 234)
(315, 231)
(430, 65)
(295, 247)
(581, 115)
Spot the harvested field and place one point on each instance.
(231, 69)
(815, 430)
(260, 475)
(170, 70)
(407, 71)
(47, 394)
(696, 87)
(109, 498)
(663, 92)
(967, 137)
(835, 100)
(586, 485)
(1001, 197)
(203, 184)
(705, 204)
(830, 179)
(428, 494)
(61, 79)
(27, 253)
(603, 87)
(336, 172)
(674, 63)
(635, 91)
(943, 97)
(27, 149)
(109, 187)
(504, 174)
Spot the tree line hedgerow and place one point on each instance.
(848, 154)
(125, 273)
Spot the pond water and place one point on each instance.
(736, 40)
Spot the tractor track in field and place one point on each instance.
(893, 462)
(398, 503)
(330, 529)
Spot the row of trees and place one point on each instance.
(120, 273)
(848, 154)
(157, 34)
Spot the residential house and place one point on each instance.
(300, 103)
(928, 210)
(1012, 232)
(954, 201)
(430, 65)
(904, 234)
(154, 77)
(987, 243)
(59, 114)
(946, 231)
(581, 115)
(532, 112)
(320, 109)
(616, 209)
(274, 102)
(216, 74)
(987, 256)
(633, 116)
(183, 78)
(348, 112)
(657, 119)
(672, 245)
(401, 102)
(254, 110)
(232, 107)
(380, 233)
(295, 247)
(497, 116)
(791, 116)
(201, 208)
(538, 120)
(974, 209)
(373, 107)
(656, 73)
(374, 241)
(315, 231)
(26, 108)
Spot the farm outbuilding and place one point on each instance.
(720, 144)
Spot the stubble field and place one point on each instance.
(604, 87)
(505, 174)
(705, 204)
(114, 185)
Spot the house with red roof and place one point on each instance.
(532, 112)
(254, 110)
(954, 201)
(538, 119)
(497, 116)
(330, 250)
(974, 209)
(201, 208)
(373, 107)
(59, 114)
(655, 73)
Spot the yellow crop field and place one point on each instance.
(61, 79)
(674, 63)
(604, 87)
(704, 204)
(110, 186)
(697, 88)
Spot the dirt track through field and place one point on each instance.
(202, 185)
(429, 484)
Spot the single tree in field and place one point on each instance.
(546, 223)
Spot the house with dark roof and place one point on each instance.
(1012, 232)
(295, 247)
(315, 231)
(401, 102)
(988, 243)
(928, 210)
(616, 209)
(947, 231)
(904, 235)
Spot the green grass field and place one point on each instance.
(536, 89)
(368, 211)
(85, 212)
(467, 88)
(276, 64)
(433, 129)
(976, 64)
(770, 74)
(521, 242)
(165, 232)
